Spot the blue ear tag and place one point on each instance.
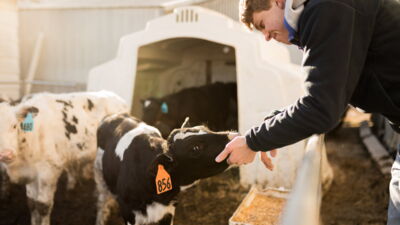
(164, 108)
(27, 125)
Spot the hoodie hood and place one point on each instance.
(293, 10)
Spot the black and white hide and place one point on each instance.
(132, 155)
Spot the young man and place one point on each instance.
(352, 56)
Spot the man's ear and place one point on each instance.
(280, 3)
(23, 112)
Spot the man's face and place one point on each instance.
(270, 22)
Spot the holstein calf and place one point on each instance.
(145, 172)
(214, 105)
(48, 134)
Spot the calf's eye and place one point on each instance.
(196, 148)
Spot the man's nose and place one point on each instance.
(267, 35)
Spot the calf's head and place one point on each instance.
(192, 151)
(151, 108)
(162, 115)
(10, 126)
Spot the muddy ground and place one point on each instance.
(358, 196)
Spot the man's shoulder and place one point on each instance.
(358, 5)
(312, 4)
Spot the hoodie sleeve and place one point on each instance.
(327, 31)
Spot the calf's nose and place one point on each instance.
(6, 155)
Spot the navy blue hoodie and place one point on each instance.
(352, 50)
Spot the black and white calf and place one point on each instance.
(128, 161)
(214, 105)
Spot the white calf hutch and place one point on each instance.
(194, 46)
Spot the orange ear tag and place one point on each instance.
(163, 180)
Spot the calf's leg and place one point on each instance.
(105, 200)
(40, 194)
(166, 220)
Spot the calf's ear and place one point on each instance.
(143, 101)
(164, 159)
(24, 111)
(185, 123)
(146, 101)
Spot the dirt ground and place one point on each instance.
(358, 196)
(359, 193)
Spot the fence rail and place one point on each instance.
(304, 202)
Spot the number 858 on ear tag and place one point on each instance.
(163, 180)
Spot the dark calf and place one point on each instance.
(129, 161)
(214, 105)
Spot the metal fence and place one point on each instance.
(303, 206)
(385, 133)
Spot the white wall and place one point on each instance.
(229, 8)
(79, 36)
(9, 52)
(76, 38)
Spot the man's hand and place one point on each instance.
(238, 153)
(267, 160)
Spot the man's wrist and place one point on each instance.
(249, 142)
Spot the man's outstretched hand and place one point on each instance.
(237, 152)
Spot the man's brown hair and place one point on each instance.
(248, 7)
